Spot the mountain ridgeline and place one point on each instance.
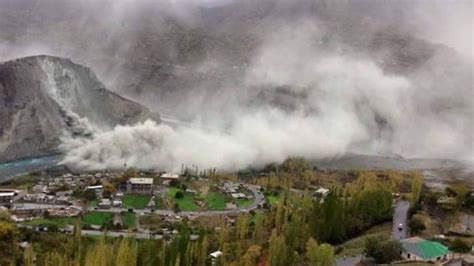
(43, 98)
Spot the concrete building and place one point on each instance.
(105, 204)
(419, 249)
(98, 190)
(169, 176)
(140, 185)
(6, 198)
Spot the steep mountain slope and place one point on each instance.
(43, 97)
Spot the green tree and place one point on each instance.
(461, 246)
(374, 205)
(29, 256)
(416, 185)
(278, 252)
(319, 255)
(382, 251)
(252, 255)
(416, 225)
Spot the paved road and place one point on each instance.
(400, 217)
(349, 261)
(118, 234)
(259, 199)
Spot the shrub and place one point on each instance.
(416, 225)
(383, 252)
(461, 246)
(179, 195)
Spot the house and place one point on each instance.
(214, 256)
(66, 193)
(230, 206)
(98, 190)
(322, 192)
(105, 204)
(467, 260)
(169, 176)
(140, 185)
(6, 198)
(419, 249)
(191, 191)
(117, 203)
(40, 189)
(238, 195)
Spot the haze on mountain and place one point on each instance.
(263, 80)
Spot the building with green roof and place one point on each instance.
(419, 249)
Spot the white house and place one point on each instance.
(419, 249)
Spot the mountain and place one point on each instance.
(44, 97)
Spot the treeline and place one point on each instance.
(299, 229)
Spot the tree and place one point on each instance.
(278, 250)
(179, 195)
(319, 255)
(258, 229)
(109, 190)
(461, 246)
(8, 243)
(416, 185)
(252, 255)
(374, 205)
(416, 225)
(469, 202)
(382, 251)
(89, 195)
(29, 256)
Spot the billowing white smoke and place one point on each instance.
(341, 103)
(259, 135)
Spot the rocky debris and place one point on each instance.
(44, 97)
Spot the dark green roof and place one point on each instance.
(424, 248)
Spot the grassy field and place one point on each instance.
(172, 192)
(185, 204)
(356, 245)
(60, 222)
(135, 201)
(215, 201)
(128, 219)
(241, 203)
(97, 218)
(272, 199)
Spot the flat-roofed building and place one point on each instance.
(97, 189)
(140, 185)
(6, 198)
(169, 176)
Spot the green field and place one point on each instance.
(128, 219)
(242, 203)
(172, 192)
(97, 218)
(60, 222)
(185, 204)
(215, 201)
(135, 201)
(272, 199)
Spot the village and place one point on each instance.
(149, 205)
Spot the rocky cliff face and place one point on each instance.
(43, 97)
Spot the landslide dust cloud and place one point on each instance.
(295, 97)
(341, 104)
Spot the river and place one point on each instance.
(21, 167)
